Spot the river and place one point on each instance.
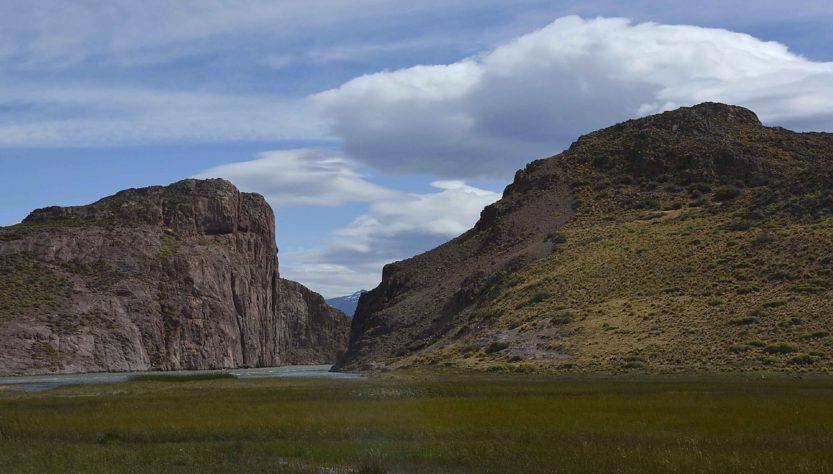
(36, 383)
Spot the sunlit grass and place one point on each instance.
(681, 291)
(424, 423)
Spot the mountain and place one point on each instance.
(168, 278)
(693, 240)
(346, 304)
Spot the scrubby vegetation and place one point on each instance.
(731, 303)
(168, 246)
(28, 285)
(424, 423)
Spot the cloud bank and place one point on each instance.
(390, 230)
(302, 177)
(485, 116)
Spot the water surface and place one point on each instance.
(37, 383)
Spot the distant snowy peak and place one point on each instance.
(347, 304)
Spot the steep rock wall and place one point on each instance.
(168, 278)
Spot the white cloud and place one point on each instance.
(487, 115)
(448, 212)
(396, 225)
(398, 228)
(302, 177)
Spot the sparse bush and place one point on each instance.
(765, 237)
(716, 301)
(634, 363)
(746, 321)
(601, 185)
(792, 321)
(780, 348)
(640, 203)
(167, 246)
(774, 303)
(801, 359)
(806, 287)
(815, 335)
(563, 316)
(496, 346)
(738, 348)
(540, 296)
(469, 348)
(726, 193)
(699, 188)
(739, 226)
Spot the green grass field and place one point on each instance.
(430, 422)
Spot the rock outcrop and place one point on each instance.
(168, 278)
(315, 333)
(696, 239)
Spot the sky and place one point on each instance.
(376, 129)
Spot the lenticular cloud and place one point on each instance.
(485, 116)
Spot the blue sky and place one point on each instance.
(377, 129)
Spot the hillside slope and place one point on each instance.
(696, 239)
(177, 277)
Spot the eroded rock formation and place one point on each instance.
(169, 278)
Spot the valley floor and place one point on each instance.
(425, 422)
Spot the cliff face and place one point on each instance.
(177, 277)
(315, 333)
(696, 239)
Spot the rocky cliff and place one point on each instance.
(315, 332)
(696, 239)
(177, 277)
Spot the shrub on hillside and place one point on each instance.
(496, 346)
(726, 193)
(801, 359)
(815, 335)
(780, 348)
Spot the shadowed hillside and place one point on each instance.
(696, 239)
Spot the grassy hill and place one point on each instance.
(694, 240)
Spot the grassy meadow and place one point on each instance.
(425, 422)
